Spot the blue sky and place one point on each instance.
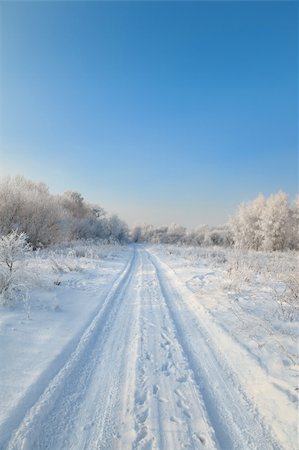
(163, 112)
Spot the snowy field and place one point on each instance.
(152, 347)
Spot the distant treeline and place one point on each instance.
(28, 207)
(176, 234)
(263, 224)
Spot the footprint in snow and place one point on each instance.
(155, 389)
(175, 419)
(182, 379)
(179, 393)
(141, 397)
(200, 437)
(141, 418)
(141, 435)
(184, 408)
(162, 400)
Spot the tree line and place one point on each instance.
(28, 207)
(268, 224)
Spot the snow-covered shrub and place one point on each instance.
(289, 298)
(268, 275)
(285, 288)
(62, 263)
(218, 257)
(240, 268)
(13, 274)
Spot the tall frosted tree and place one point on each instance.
(246, 225)
(276, 222)
(266, 224)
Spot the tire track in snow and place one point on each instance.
(235, 420)
(50, 423)
(169, 410)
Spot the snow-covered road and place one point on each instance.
(148, 373)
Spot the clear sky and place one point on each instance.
(163, 112)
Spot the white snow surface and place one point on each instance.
(151, 347)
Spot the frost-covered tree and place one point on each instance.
(13, 247)
(75, 204)
(268, 224)
(28, 207)
(217, 236)
(90, 221)
(136, 234)
(118, 229)
(276, 224)
(246, 225)
(175, 234)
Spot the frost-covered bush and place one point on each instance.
(64, 264)
(76, 256)
(13, 275)
(241, 267)
(288, 298)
